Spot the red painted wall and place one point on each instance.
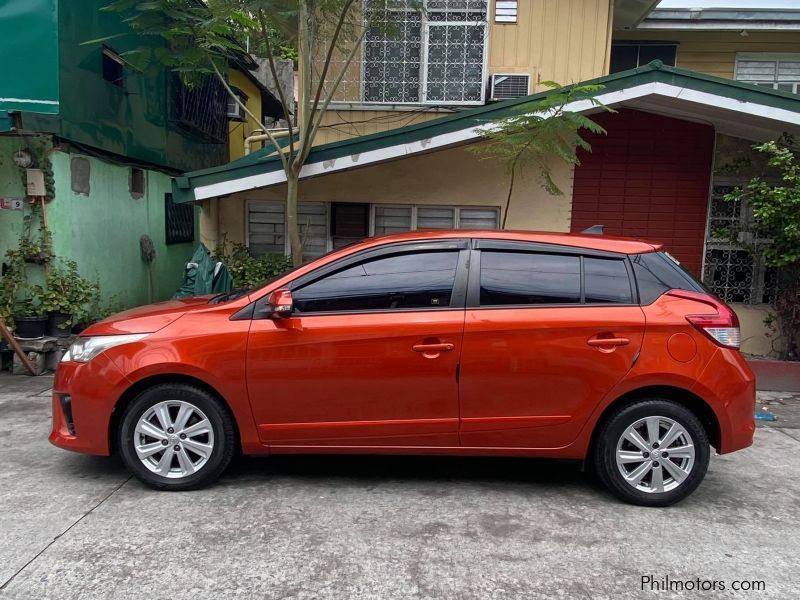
(648, 177)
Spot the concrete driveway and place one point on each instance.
(73, 526)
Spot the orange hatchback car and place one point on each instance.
(460, 342)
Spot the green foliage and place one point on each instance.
(65, 291)
(542, 130)
(776, 218)
(250, 271)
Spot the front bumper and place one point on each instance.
(93, 389)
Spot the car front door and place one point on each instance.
(369, 355)
(548, 333)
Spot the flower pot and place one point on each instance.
(56, 324)
(30, 327)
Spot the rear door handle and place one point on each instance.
(611, 341)
(432, 348)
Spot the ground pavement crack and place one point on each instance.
(787, 434)
(63, 533)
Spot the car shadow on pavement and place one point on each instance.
(410, 468)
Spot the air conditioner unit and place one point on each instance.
(510, 85)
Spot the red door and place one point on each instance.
(368, 357)
(648, 177)
(539, 353)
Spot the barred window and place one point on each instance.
(732, 272)
(434, 55)
(778, 71)
(179, 221)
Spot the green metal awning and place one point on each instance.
(731, 106)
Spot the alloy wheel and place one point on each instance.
(655, 454)
(173, 439)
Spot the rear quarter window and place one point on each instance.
(656, 274)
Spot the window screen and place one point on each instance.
(606, 280)
(629, 55)
(421, 280)
(529, 278)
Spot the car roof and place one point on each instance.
(605, 243)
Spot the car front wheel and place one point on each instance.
(176, 437)
(652, 453)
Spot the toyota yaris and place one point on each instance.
(461, 342)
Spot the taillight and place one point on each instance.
(722, 327)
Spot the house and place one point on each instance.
(693, 89)
(108, 139)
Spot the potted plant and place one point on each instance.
(66, 297)
(30, 319)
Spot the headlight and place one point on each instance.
(85, 349)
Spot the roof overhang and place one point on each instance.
(722, 19)
(733, 108)
(629, 13)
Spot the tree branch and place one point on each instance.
(272, 139)
(281, 95)
(329, 96)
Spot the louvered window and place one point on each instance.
(395, 219)
(505, 11)
(777, 71)
(425, 52)
(266, 223)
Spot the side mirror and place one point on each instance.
(281, 304)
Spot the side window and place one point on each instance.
(656, 274)
(414, 280)
(529, 278)
(606, 280)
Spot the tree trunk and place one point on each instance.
(292, 225)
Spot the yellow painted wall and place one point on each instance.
(448, 177)
(343, 124)
(714, 52)
(239, 130)
(557, 40)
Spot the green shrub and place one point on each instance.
(250, 271)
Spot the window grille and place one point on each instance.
(435, 55)
(731, 271)
(202, 107)
(780, 72)
(179, 221)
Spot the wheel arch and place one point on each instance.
(699, 407)
(147, 382)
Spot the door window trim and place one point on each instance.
(474, 283)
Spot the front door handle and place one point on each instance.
(432, 349)
(608, 341)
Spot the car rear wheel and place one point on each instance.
(652, 453)
(176, 437)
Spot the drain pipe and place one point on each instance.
(260, 137)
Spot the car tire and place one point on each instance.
(654, 452)
(176, 437)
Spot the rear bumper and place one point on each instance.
(731, 386)
(93, 389)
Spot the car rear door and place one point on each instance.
(369, 356)
(548, 332)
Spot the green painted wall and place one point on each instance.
(135, 121)
(101, 231)
(11, 186)
(29, 75)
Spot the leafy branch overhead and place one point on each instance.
(541, 130)
(198, 39)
